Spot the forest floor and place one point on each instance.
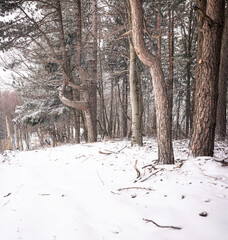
(108, 190)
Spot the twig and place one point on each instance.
(107, 153)
(121, 149)
(126, 33)
(136, 169)
(85, 159)
(110, 152)
(151, 175)
(45, 194)
(149, 165)
(173, 227)
(180, 165)
(115, 193)
(7, 195)
(223, 162)
(6, 203)
(100, 178)
(216, 178)
(127, 188)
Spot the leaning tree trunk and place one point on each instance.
(165, 148)
(202, 139)
(222, 84)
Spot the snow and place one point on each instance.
(78, 192)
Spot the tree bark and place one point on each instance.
(222, 84)
(67, 74)
(8, 134)
(94, 70)
(124, 106)
(170, 82)
(136, 137)
(165, 148)
(202, 139)
(196, 82)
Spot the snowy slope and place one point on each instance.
(91, 192)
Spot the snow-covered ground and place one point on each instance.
(91, 192)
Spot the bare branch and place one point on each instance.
(160, 226)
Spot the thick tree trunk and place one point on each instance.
(136, 137)
(196, 81)
(202, 139)
(165, 148)
(222, 84)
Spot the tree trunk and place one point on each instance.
(110, 122)
(202, 139)
(165, 148)
(136, 137)
(67, 74)
(170, 82)
(222, 84)
(188, 50)
(94, 70)
(16, 137)
(196, 82)
(124, 107)
(20, 140)
(8, 134)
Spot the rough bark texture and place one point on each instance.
(196, 82)
(202, 139)
(165, 149)
(222, 85)
(136, 137)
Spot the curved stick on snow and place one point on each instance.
(173, 227)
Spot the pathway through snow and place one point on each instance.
(71, 193)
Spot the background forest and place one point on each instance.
(77, 76)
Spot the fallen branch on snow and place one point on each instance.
(224, 162)
(128, 188)
(151, 175)
(173, 227)
(110, 152)
(106, 153)
(44, 194)
(100, 178)
(7, 195)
